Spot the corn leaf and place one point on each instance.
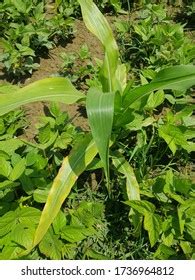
(71, 168)
(100, 110)
(175, 77)
(51, 89)
(132, 186)
(98, 25)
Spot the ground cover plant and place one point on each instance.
(27, 30)
(139, 145)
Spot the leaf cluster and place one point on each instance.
(27, 31)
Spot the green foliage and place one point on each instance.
(170, 226)
(79, 68)
(27, 30)
(146, 130)
(153, 40)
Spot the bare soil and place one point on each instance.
(49, 66)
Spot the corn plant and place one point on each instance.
(107, 109)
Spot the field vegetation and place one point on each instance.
(121, 184)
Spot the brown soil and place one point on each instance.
(50, 66)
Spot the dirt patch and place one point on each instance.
(50, 66)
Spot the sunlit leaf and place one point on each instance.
(175, 77)
(71, 168)
(49, 89)
(100, 111)
(98, 25)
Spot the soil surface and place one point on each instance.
(50, 66)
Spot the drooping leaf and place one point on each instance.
(175, 77)
(100, 111)
(71, 168)
(49, 89)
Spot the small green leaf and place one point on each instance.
(152, 223)
(40, 195)
(142, 206)
(5, 168)
(59, 222)
(155, 99)
(23, 235)
(132, 186)
(77, 233)
(11, 145)
(18, 170)
(51, 246)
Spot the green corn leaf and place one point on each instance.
(132, 185)
(98, 25)
(71, 168)
(175, 77)
(51, 89)
(100, 111)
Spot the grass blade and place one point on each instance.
(100, 111)
(71, 168)
(49, 89)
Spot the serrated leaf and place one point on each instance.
(51, 246)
